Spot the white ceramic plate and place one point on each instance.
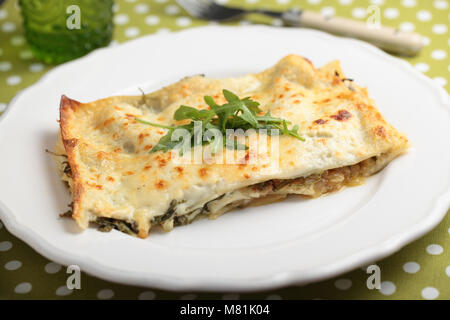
(295, 241)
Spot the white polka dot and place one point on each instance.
(328, 11)
(387, 288)
(26, 54)
(426, 41)
(273, 297)
(152, 20)
(2, 108)
(132, 32)
(407, 26)
(430, 293)
(8, 27)
(377, 2)
(141, 8)
(172, 10)
(5, 66)
(115, 7)
(13, 265)
(121, 19)
(411, 267)
(409, 3)
(391, 13)
(440, 81)
(359, 13)
(448, 228)
(343, 284)
(441, 4)
(245, 22)
(230, 296)
(439, 54)
(13, 80)
(314, 1)
(447, 270)
(163, 30)
(435, 249)
(283, 1)
(131, 1)
(440, 28)
(424, 15)
(63, 291)
(5, 245)
(36, 67)
(161, 1)
(188, 296)
(23, 288)
(3, 14)
(277, 22)
(251, 1)
(114, 43)
(147, 295)
(17, 41)
(345, 2)
(52, 267)
(183, 21)
(105, 294)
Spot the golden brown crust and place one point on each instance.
(66, 108)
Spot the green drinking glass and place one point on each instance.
(62, 30)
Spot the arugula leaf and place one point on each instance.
(210, 102)
(252, 105)
(185, 112)
(165, 143)
(230, 96)
(235, 114)
(248, 116)
(154, 124)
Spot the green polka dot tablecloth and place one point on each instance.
(421, 270)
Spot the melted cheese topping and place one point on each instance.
(116, 177)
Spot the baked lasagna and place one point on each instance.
(106, 150)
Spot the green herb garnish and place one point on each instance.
(235, 114)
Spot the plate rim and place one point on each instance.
(364, 256)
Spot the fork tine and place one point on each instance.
(208, 9)
(196, 8)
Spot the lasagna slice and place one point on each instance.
(117, 182)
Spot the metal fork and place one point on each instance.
(210, 10)
(387, 38)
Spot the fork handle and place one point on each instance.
(387, 38)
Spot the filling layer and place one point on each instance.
(269, 191)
